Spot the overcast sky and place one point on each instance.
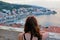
(45, 3)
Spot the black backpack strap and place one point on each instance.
(31, 37)
(38, 38)
(24, 36)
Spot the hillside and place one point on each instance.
(4, 5)
(9, 6)
(11, 13)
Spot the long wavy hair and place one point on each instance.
(31, 26)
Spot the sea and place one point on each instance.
(47, 20)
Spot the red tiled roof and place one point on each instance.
(53, 29)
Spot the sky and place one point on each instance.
(50, 4)
(53, 4)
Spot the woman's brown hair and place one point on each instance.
(31, 26)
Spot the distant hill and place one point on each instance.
(10, 19)
(9, 6)
(4, 5)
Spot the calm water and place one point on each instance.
(48, 20)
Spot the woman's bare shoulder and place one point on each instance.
(44, 35)
(20, 34)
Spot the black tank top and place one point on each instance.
(30, 37)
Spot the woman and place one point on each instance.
(31, 29)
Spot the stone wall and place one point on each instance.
(8, 35)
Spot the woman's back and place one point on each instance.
(28, 36)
